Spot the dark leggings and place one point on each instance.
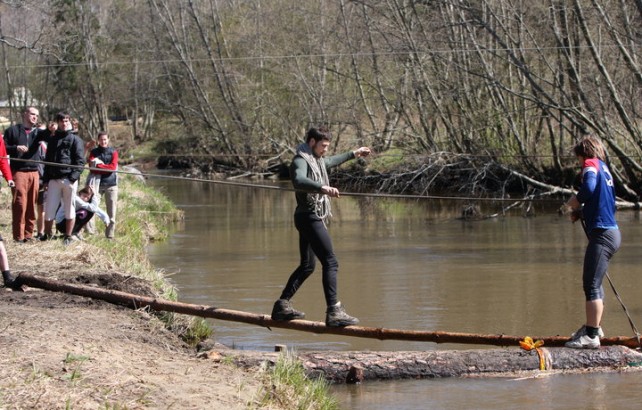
(82, 217)
(603, 243)
(313, 240)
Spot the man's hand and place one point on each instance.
(22, 148)
(11, 184)
(330, 191)
(362, 152)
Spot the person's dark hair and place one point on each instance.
(318, 134)
(590, 147)
(61, 116)
(101, 133)
(87, 191)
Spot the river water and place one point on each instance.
(406, 264)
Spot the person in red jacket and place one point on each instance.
(7, 277)
(104, 179)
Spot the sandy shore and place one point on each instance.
(63, 351)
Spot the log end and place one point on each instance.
(355, 375)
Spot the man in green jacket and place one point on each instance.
(313, 191)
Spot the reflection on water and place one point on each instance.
(564, 392)
(402, 264)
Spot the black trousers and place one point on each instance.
(314, 240)
(82, 217)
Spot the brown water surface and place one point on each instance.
(408, 265)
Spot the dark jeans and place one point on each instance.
(82, 217)
(314, 240)
(603, 243)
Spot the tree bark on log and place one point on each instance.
(137, 302)
(351, 367)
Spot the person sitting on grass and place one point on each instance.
(86, 205)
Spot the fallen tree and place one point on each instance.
(354, 367)
(138, 301)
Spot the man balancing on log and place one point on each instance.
(309, 174)
(595, 202)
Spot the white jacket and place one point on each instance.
(89, 206)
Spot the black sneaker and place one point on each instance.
(46, 236)
(283, 310)
(10, 281)
(336, 316)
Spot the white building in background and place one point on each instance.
(21, 97)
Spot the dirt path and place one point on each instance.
(62, 351)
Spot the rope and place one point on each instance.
(528, 344)
(527, 198)
(322, 207)
(300, 56)
(385, 155)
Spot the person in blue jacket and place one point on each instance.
(595, 203)
(309, 174)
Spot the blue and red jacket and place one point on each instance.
(597, 193)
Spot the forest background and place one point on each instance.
(479, 97)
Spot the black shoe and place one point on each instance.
(10, 281)
(336, 316)
(45, 236)
(283, 310)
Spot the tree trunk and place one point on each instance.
(351, 367)
(137, 302)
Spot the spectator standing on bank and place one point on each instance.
(52, 126)
(65, 160)
(104, 179)
(21, 145)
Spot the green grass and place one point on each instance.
(291, 388)
(146, 215)
(72, 358)
(76, 361)
(390, 160)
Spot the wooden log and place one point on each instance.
(352, 367)
(157, 304)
